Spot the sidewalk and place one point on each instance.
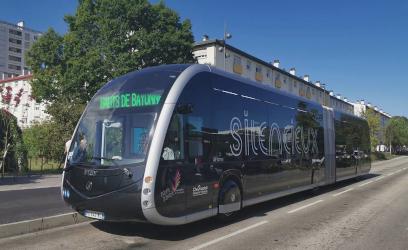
(9, 183)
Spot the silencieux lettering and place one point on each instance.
(253, 138)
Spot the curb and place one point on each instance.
(379, 162)
(40, 224)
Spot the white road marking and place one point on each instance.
(391, 173)
(229, 235)
(305, 206)
(379, 178)
(399, 170)
(345, 191)
(365, 183)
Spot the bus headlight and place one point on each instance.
(148, 179)
(65, 193)
(147, 191)
(146, 203)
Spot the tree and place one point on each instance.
(396, 131)
(373, 120)
(106, 39)
(11, 145)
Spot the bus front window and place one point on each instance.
(111, 139)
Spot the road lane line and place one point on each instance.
(390, 174)
(379, 178)
(365, 183)
(345, 191)
(305, 206)
(229, 235)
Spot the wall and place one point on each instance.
(28, 111)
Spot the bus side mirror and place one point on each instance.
(184, 108)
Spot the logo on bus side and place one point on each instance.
(251, 137)
(169, 192)
(200, 190)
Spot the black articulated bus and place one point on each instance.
(178, 143)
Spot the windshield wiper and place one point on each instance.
(104, 158)
(81, 163)
(107, 159)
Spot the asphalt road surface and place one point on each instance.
(19, 205)
(367, 213)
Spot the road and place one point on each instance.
(19, 205)
(368, 213)
(30, 198)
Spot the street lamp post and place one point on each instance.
(226, 36)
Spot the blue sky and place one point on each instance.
(358, 48)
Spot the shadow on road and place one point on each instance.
(176, 233)
(14, 180)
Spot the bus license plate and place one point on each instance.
(94, 215)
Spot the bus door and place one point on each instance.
(200, 176)
(172, 180)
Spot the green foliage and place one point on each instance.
(46, 60)
(373, 120)
(396, 131)
(10, 134)
(48, 139)
(106, 39)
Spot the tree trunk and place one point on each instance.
(2, 163)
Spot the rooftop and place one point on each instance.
(16, 78)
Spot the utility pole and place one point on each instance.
(390, 145)
(226, 36)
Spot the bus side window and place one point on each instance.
(173, 148)
(194, 126)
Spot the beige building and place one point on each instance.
(341, 103)
(231, 59)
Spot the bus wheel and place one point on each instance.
(229, 200)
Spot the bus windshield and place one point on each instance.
(112, 139)
(117, 125)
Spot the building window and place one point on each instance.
(35, 38)
(278, 82)
(15, 67)
(295, 83)
(258, 73)
(13, 40)
(268, 74)
(302, 90)
(15, 32)
(15, 50)
(27, 36)
(248, 65)
(26, 45)
(308, 93)
(14, 58)
(237, 67)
